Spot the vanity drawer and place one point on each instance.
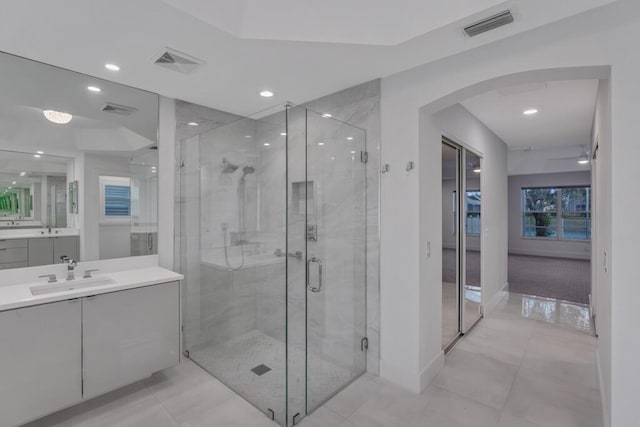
(13, 243)
(7, 266)
(8, 255)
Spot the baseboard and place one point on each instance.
(499, 296)
(603, 398)
(431, 370)
(552, 254)
(415, 382)
(400, 377)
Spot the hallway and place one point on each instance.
(531, 363)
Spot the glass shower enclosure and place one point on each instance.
(273, 249)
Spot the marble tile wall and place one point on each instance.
(220, 304)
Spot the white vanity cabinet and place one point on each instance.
(40, 360)
(129, 335)
(57, 354)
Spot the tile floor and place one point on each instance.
(230, 363)
(531, 363)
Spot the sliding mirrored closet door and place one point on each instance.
(461, 241)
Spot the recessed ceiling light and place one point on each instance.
(266, 94)
(39, 152)
(332, 158)
(327, 115)
(530, 112)
(94, 88)
(10, 188)
(353, 152)
(283, 133)
(23, 173)
(247, 136)
(192, 124)
(57, 116)
(320, 143)
(266, 144)
(349, 138)
(14, 182)
(37, 156)
(112, 67)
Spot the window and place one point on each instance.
(115, 200)
(562, 213)
(472, 222)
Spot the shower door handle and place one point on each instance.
(309, 262)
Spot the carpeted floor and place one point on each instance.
(560, 278)
(563, 279)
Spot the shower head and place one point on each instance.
(227, 166)
(248, 170)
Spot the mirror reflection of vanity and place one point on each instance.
(78, 166)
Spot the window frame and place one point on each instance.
(559, 212)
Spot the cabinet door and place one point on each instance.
(40, 361)
(40, 251)
(65, 246)
(129, 335)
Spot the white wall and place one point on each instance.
(601, 239)
(536, 246)
(457, 124)
(100, 241)
(167, 168)
(589, 45)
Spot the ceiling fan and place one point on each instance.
(582, 159)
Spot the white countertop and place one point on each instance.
(35, 233)
(19, 295)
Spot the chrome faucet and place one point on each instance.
(71, 265)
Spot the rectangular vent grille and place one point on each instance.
(490, 23)
(122, 110)
(177, 61)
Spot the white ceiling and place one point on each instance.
(393, 36)
(28, 87)
(566, 111)
(332, 21)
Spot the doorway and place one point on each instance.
(461, 241)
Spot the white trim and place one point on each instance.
(415, 382)
(553, 254)
(605, 410)
(400, 377)
(495, 300)
(431, 371)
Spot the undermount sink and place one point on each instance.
(69, 285)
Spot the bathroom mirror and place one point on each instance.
(78, 166)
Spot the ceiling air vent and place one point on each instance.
(177, 61)
(490, 23)
(122, 110)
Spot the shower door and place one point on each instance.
(327, 293)
(272, 237)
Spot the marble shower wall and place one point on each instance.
(221, 304)
(360, 107)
